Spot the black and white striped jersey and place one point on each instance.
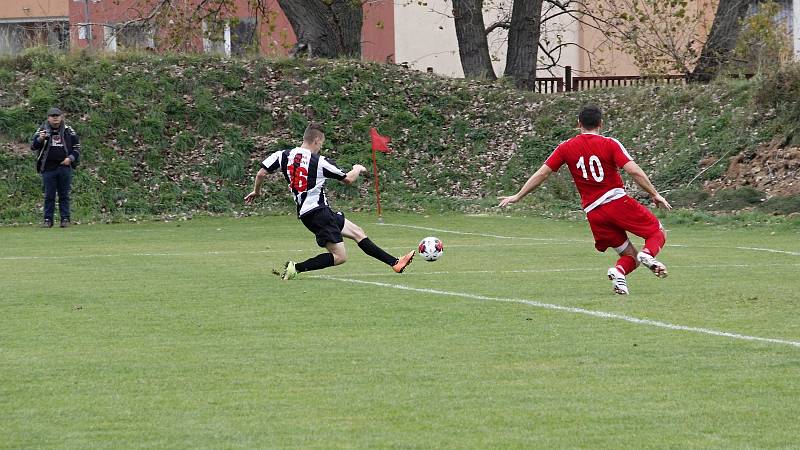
(305, 173)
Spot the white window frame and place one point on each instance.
(796, 28)
(208, 44)
(110, 38)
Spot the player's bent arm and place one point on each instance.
(533, 182)
(642, 180)
(260, 176)
(352, 176)
(640, 177)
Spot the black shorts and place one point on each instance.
(325, 224)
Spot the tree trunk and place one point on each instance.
(471, 34)
(523, 42)
(722, 39)
(329, 29)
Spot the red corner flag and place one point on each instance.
(379, 142)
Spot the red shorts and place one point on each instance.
(610, 222)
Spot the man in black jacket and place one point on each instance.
(58, 151)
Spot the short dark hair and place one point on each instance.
(313, 131)
(590, 117)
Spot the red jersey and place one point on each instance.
(594, 162)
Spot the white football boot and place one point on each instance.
(659, 269)
(289, 271)
(618, 281)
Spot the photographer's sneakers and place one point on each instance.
(48, 223)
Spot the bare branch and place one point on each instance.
(501, 24)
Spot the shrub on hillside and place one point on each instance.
(733, 199)
(782, 205)
(779, 91)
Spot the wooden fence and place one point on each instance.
(569, 83)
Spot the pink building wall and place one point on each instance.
(276, 36)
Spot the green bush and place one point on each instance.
(782, 205)
(733, 199)
(687, 198)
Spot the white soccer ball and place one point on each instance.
(431, 248)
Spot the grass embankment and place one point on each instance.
(180, 134)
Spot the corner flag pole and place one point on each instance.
(379, 144)
(377, 184)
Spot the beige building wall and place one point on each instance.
(33, 9)
(560, 29)
(425, 37)
(602, 58)
(606, 60)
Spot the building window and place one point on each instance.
(83, 31)
(109, 38)
(131, 36)
(17, 36)
(217, 39)
(244, 38)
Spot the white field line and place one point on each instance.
(770, 250)
(572, 269)
(120, 255)
(440, 230)
(587, 312)
(251, 252)
(467, 233)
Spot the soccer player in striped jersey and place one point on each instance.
(306, 171)
(594, 162)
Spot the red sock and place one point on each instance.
(654, 243)
(626, 264)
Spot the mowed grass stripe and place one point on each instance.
(537, 304)
(202, 347)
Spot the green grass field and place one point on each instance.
(176, 335)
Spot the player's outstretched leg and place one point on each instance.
(354, 232)
(652, 245)
(291, 268)
(337, 254)
(398, 264)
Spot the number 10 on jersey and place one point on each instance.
(594, 167)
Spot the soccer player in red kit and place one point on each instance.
(594, 162)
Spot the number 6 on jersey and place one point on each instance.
(298, 177)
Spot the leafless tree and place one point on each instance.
(721, 41)
(328, 28)
(473, 48)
